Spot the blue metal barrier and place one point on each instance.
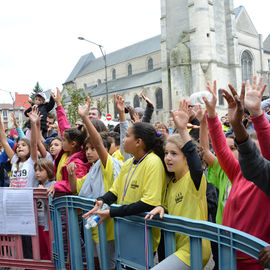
(130, 242)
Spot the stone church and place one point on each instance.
(200, 41)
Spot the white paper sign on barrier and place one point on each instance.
(17, 212)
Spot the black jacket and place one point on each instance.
(254, 166)
(43, 109)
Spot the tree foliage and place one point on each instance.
(37, 89)
(71, 102)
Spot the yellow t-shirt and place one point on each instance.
(147, 184)
(108, 181)
(117, 154)
(183, 199)
(62, 162)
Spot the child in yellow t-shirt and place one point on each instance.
(141, 183)
(186, 192)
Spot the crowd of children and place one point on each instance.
(157, 169)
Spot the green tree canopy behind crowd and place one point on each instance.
(37, 89)
(71, 101)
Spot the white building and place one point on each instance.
(5, 114)
(201, 40)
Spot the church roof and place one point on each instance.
(135, 50)
(237, 11)
(266, 44)
(243, 21)
(125, 83)
(83, 61)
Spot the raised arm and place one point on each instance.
(224, 155)
(96, 139)
(120, 106)
(50, 104)
(180, 119)
(149, 109)
(254, 167)
(60, 112)
(18, 128)
(3, 139)
(253, 98)
(208, 156)
(40, 140)
(34, 116)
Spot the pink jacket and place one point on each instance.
(78, 158)
(246, 208)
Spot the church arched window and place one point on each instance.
(150, 63)
(246, 66)
(113, 74)
(159, 98)
(129, 69)
(136, 101)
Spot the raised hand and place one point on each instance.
(235, 106)
(34, 115)
(157, 210)
(84, 109)
(211, 105)
(137, 118)
(200, 113)
(143, 95)
(254, 95)
(57, 97)
(181, 117)
(15, 123)
(119, 103)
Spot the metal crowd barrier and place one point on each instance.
(11, 246)
(130, 242)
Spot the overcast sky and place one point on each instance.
(39, 38)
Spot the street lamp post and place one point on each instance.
(105, 67)
(10, 95)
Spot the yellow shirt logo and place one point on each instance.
(179, 198)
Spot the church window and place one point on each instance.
(150, 63)
(159, 99)
(220, 97)
(113, 74)
(98, 81)
(129, 69)
(246, 65)
(136, 101)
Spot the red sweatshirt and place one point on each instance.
(262, 127)
(247, 208)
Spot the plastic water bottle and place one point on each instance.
(196, 98)
(94, 219)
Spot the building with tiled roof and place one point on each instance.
(22, 100)
(5, 114)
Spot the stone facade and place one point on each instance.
(200, 41)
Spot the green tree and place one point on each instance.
(37, 89)
(74, 98)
